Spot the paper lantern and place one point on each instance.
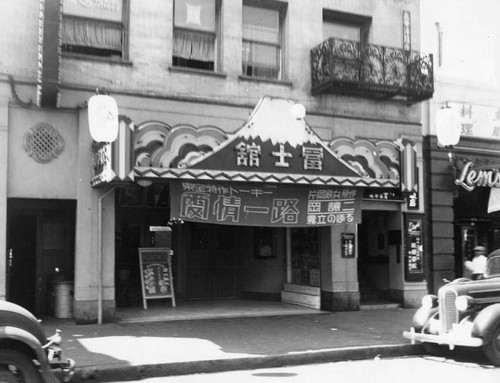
(103, 118)
(447, 127)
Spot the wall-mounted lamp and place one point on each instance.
(144, 182)
(447, 128)
(103, 118)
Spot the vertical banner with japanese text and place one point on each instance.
(264, 205)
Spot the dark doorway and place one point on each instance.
(40, 248)
(212, 261)
(373, 256)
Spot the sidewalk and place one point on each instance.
(124, 351)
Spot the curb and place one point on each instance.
(127, 372)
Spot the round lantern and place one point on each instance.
(103, 118)
(447, 127)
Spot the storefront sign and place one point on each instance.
(156, 274)
(112, 162)
(414, 248)
(264, 205)
(412, 201)
(484, 176)
(348, 245)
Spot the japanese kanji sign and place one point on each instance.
(264, 205)
(156, 274)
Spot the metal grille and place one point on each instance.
(44, 143)
(447, 310)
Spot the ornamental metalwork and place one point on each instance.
(44, 143)
(373, 71)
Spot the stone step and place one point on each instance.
(300, 299)
(301, 289)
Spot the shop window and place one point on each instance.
(95, 28)
(262, 41)
(195, 35)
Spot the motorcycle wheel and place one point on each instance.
(16, 367)
(492, 348)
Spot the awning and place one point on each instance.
(272, 147)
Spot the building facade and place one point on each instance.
(461, 180)
(210, 97)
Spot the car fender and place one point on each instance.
(422, 316)
(18, 334)
(486, 321)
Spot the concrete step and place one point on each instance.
(301, 295)
(301, 289)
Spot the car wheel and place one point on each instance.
(436, 349)
(16, 367)
(492, 348)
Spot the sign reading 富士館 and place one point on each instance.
(264, 205)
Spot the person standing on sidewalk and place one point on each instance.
(477, 265)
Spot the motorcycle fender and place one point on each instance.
(422, 316)
(9, 332)
(486, 321)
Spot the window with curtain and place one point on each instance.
(95, 29)
(195, 34)
(262, 42)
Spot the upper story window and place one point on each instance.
(196, 28)
(95, 28)
(346, 26)
(262, 41)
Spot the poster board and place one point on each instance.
(156, 274)
(414, 248)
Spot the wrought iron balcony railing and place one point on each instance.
(372, 71)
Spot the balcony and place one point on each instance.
(376, 72)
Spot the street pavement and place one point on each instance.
(125, 351)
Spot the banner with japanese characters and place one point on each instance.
(263, 204)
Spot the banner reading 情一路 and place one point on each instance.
(264, 205)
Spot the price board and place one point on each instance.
(156, 274)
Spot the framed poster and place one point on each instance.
(414, 248)
(348, 240)
(156, 274)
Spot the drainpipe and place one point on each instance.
(99, 264)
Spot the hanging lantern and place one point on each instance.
(447, 127)
(103, 118)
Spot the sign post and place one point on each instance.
(156, 274)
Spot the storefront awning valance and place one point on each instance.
(262, 177)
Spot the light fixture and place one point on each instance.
(447, 126)
(144, 182)
(447, 130)
(298, 111)
(103, 118)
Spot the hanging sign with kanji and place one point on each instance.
(264, 205)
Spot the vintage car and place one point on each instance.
(464, 313)
(26, 354)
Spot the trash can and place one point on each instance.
(63, 299)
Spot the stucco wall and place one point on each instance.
(31, 179)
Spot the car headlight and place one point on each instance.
(429, 301)
(463, 302)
